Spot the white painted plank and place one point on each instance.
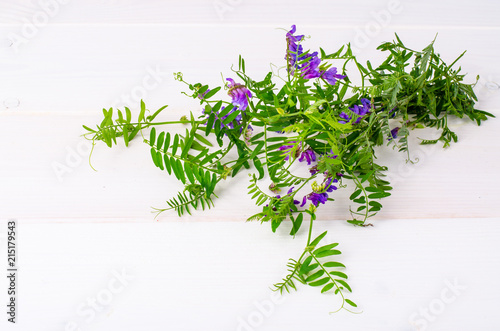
(253, 13)
(214, 276)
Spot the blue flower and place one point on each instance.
(394, 133)
(345, 118)
(288, 149)
(361, 111)
(239, 93)
(310, 69)
(331, 76)
(308, 155)
(328, 184)
(317, 198)
(294, 51)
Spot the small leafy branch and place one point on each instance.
(313, 116)
(311, 269)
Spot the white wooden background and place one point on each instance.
(431, 261)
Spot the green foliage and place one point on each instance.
(291, 120)
(315, 268)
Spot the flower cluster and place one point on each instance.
(240, 95)
(307, 155)
(307, 63)
(358, 110)
(319, 193)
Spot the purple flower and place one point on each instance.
(288, 148)
(239, 93)
(304, 199)
(394, 133)
(310, 69)
(331, 155)
(345, 118)
(328, 184)
(313, 170)
(294, 51)
(291, 38)
(308, 155)
(295, 54)
(331, 76)
(361, 111)
(317, 198)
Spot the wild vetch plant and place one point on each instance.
(312, 116)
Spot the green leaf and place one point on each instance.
(315, 242)
(159, 160)
(373, 189)
(338, 274)
(344, 284)
(202, 139)
(212, 92)
(159, 143)
(153, 156)
(379, 195)
(225, 111)
(210, 124)
(328, 253)
(296, 224)
(152, 117)
(167, 142)
(128, 114)
(125, 135)
(351, 303)
(143, 111)
(152, 137)
(88, 129)
(181, 177)
(334, 265)
(315, 276)
(327, 288)
(355, 194)
(320, 282)
(175, 168)
(189, 172)
(305, 265)
(167, 164)
(257, 149)
(175, 144)
(325, 248)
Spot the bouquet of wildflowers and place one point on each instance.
(304, 134)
